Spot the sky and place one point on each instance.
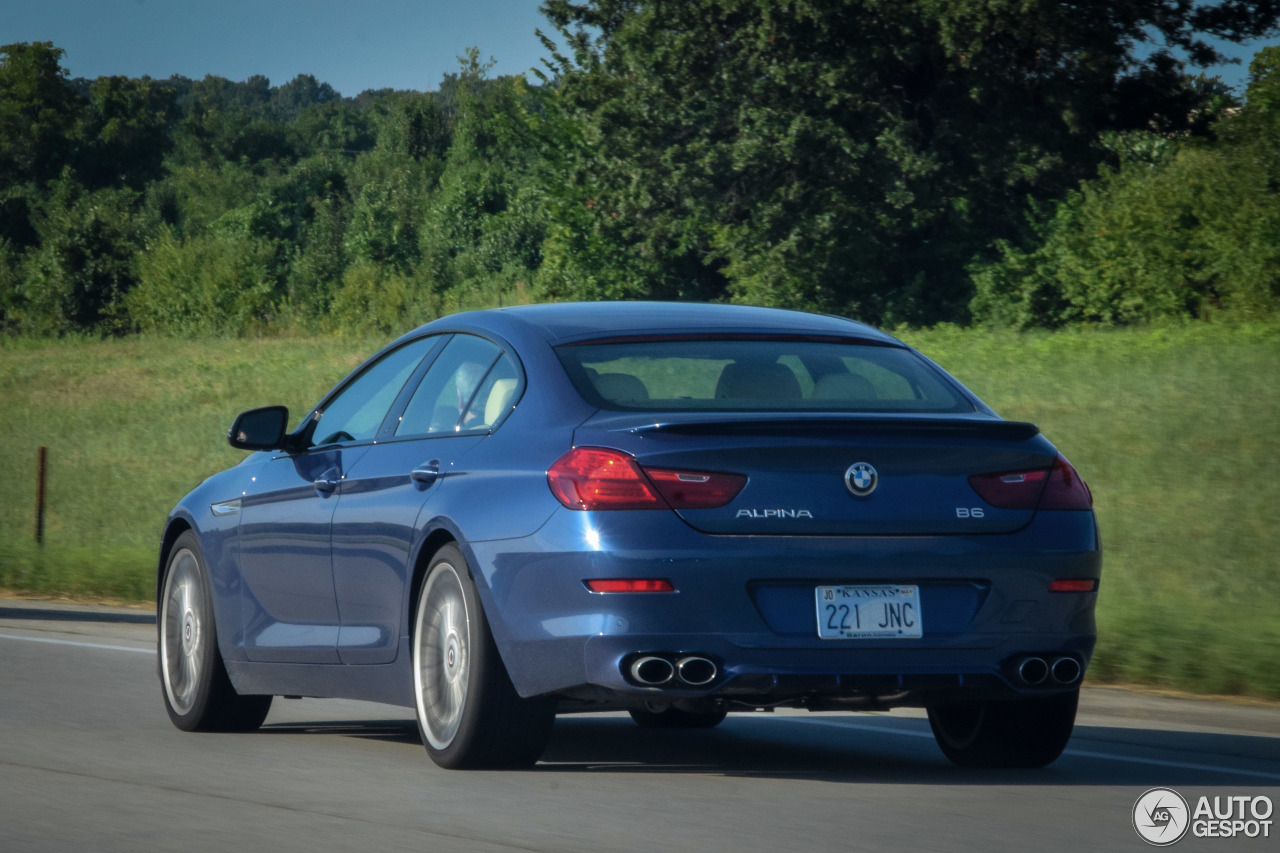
(352, 45)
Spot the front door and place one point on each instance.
(288, 602)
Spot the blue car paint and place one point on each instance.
(742, 597)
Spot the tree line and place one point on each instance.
(1015, 162)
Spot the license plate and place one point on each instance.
(868, 612)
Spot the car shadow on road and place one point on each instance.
(758, 746)
(848, 750)
(390, 731)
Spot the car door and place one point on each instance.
(390, 491)
(287, 597)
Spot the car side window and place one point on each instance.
(495, 396)
(359, 408)
(448, 400)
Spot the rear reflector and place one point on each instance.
(630, 585)
(1074, 585)
(1058, 487)
(598, 478)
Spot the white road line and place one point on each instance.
(1075, 753)
(1180, 765)
(76, 643)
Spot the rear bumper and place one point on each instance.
(746, 603)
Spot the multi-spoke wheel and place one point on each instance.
(1011, 733)
(442, 644)
(468, 711)
(197, 693)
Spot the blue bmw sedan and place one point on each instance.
(670, 509)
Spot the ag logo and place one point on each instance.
(861, 479)
(1161, 817)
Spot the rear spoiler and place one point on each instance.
(791, 424)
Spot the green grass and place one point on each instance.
(1173, 428)
(131, 426)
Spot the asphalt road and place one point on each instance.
(89, 761)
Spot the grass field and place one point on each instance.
(1173, 428)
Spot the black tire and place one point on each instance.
(677, 718)
(469, 713)
(198, 695)
(1012, 733)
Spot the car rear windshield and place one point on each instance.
(769, 374)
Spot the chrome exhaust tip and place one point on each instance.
(652, 671)
(696, 671)
(1066, 670)
(1033, 670)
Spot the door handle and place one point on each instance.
(327, 482)
(426, 474)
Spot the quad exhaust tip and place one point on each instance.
(696, 671)
(652, 671)
(1065, 670)
(1033, 670)
(664, 669)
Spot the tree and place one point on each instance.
(287, 102)
(1180, 227)
(850, 156)
(485, 223)
(78, 276)
(39, 114)
(128, 131)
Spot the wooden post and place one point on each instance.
(41, 472)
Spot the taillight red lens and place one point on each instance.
(599, 478)
(1066, 489)
(595, 478)
(1060, 487)
(696, 489)
(630, 585)
(1012, 490)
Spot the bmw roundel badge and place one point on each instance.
(861, 479)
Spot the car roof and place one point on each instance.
(567, 322)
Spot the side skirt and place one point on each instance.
(390, 683)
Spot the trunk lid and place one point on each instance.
(797, 464)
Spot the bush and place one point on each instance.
(1178, 228)
(1196, 232)
(217, 283)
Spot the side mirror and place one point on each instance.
(259, 429)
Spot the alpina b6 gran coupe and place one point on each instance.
(675, 510)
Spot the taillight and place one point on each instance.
(1013, 490)
(696, 489)
(1058, 487)
(596, 478)
(1066, 489)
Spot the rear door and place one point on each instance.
(463, 394)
